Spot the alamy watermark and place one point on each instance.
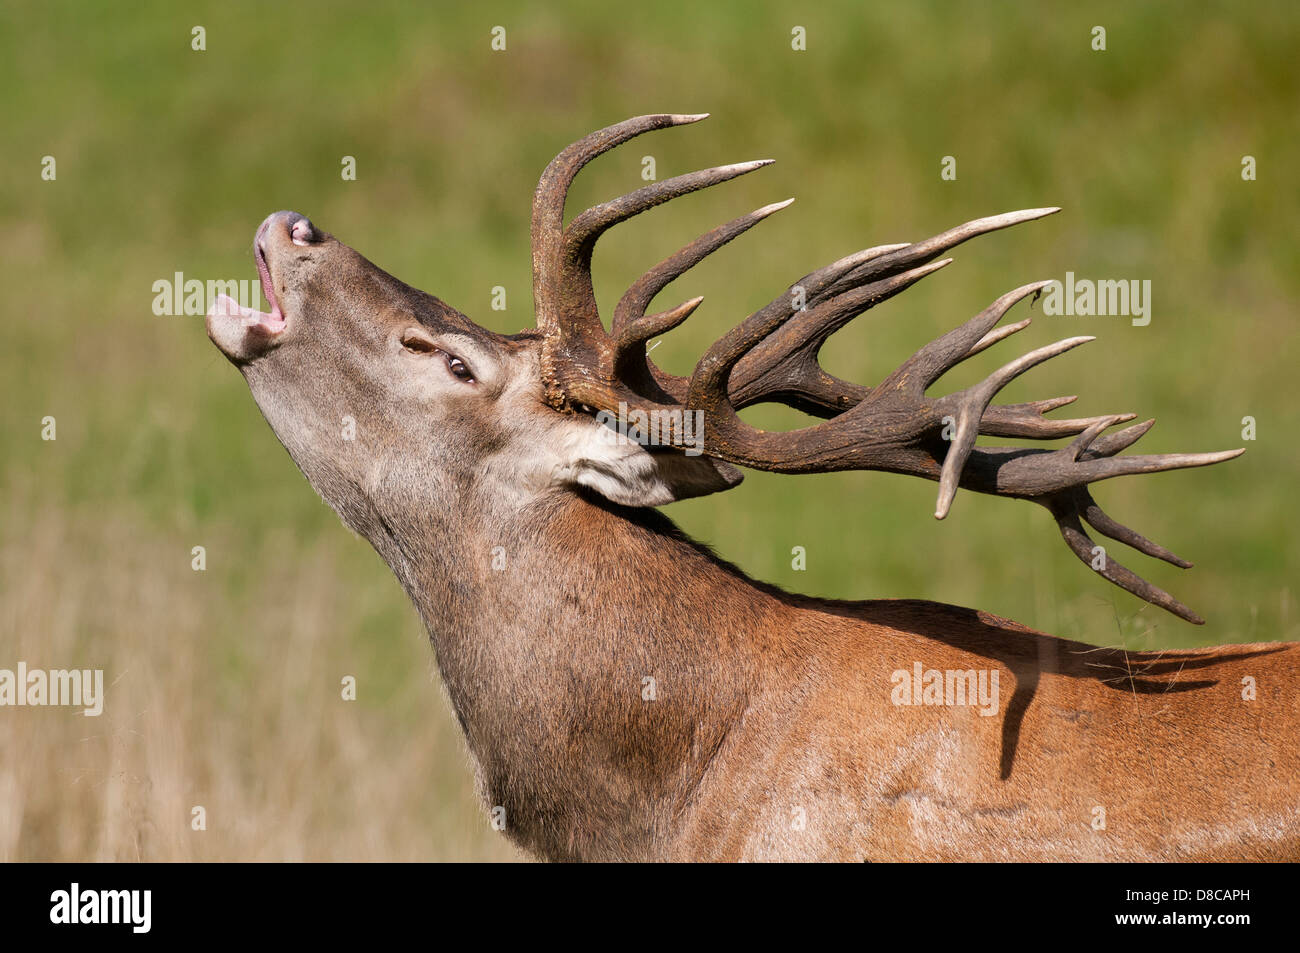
(179, 295)
(76, 905)
(1085, 297)
(976, 688)
(69, 688)
(674, 427)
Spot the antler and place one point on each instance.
(772, 357)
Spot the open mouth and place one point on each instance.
(270, 323)
(274, 321)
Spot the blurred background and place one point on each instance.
(224, 684)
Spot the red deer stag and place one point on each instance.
(626, 694)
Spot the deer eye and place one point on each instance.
(458, 368)
(419, 343)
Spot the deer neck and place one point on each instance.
(595, 657)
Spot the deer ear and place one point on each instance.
(624, 472)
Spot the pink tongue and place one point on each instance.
(229, 307)
(264, 273)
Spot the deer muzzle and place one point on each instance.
(243, 333)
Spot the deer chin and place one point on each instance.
(243, 334)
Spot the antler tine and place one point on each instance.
(1095, 517)
(644, 328)
(1072, 531)
(1112, 444)
(631, 307)
(553, 186)
(918, 252)
(970, 406)
(1096, 457)
(581, 235)
(998, 334)
(1097, 470)
(1027, 420)
(942, 354)
(824, 282)
(631, 328)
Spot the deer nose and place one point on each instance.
(303, 232)
(297, 226)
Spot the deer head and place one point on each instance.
(388, 399)
(451, 418)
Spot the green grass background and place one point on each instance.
(226, 682)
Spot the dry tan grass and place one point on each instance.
(203, 709)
